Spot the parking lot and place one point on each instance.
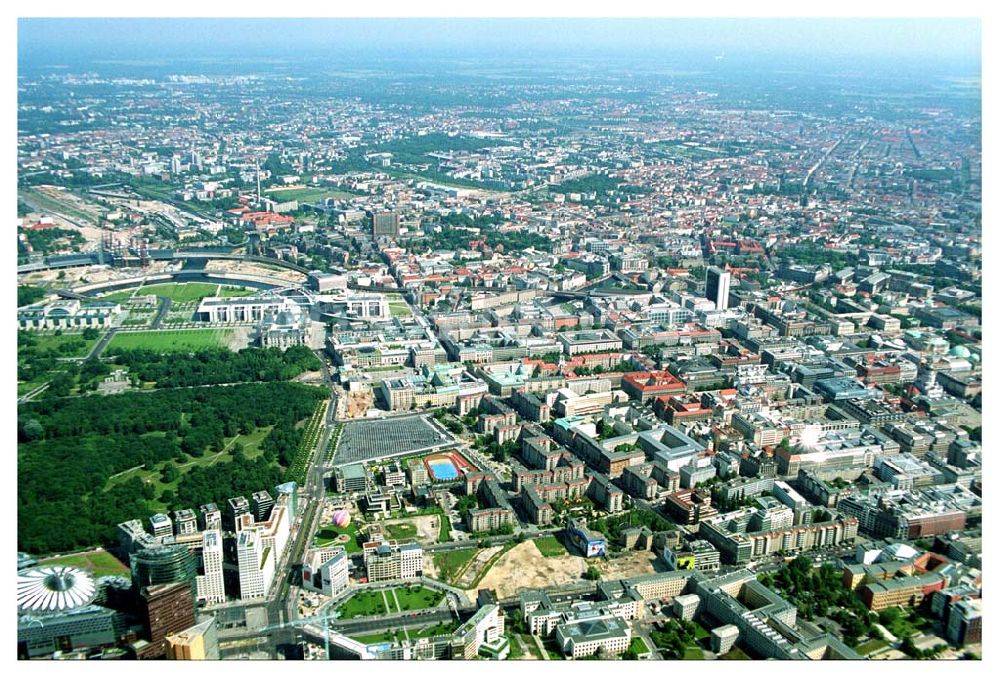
(374, 439)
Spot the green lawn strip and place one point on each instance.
(550, 546)
(180, 293)
(532, 646)
(327, 535)
(98, 562)
(870, 647)
(169, 341)
(451, 564)
(736, 654)
(364, 603)
(399, 309)
(376, 638)
(638, 646)
(400, 532)
(434, 630)
(515, 647)
(118, 295)
(417, 597)
(700, 632)
(445, 532)
(693, 654)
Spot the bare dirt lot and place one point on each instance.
(76, 276)
(238, 267)
(629, 564)
(525, 567)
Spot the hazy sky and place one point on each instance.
(949, 40)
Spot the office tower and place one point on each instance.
(163, 564)
(185, 522)
(384, 224)
(211, 517)
(165, 609)
(197, 643)
(234, 508)
(717, 287)
(260, 505)
(256, 564)
(161, 525)
(209, 582)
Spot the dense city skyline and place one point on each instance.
(500, 339)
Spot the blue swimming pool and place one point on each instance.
(443, 469)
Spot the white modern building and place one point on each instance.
(326, 571)
(209, 583)
(256, 564)
(717, 287)
(67, 314)
(388, 560)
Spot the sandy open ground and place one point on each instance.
(629, 564)
(524, 567)
(241, 267)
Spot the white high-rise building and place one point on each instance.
(256, 564)
(717, 287)
(210, 585)
(275, 531)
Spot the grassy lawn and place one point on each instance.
(417, 597)
(399, 308)
(693, 654)
(435, 630)
(170, 341)
(63, 344)
(550, 546)
(445, 533)
(736, 654)
(700, 633)
(400, 532)
(98, 562)
(118, 296)
(870, 647)
(515, 647)
(377, 638)
(328, 533)
(180, 292)
(365, 603)
(532, 647)
(904, 624)
(638, 646)
(450, 564)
